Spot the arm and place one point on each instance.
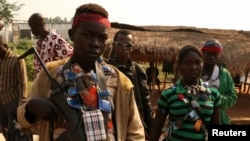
(128, 123)
(21, 111)
(21, 78)
(157, 72)
(227, 90)
(145, 96)
(216, 116)
(158, 123)
(37, 106)
(135, 128)
(215, 119)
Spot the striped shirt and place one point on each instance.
(13, 78)
(172, 99)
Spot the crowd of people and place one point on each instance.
(80, 96)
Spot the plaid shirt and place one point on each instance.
(13, 78)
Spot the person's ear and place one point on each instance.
(70, 33)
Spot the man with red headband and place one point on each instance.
(216, 75)
(95, 101)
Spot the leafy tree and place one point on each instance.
(20, 48)
(6, 14)
(7, 9)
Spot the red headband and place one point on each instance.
(211, 49)
(91, 18)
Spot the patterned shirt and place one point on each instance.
(52, 48)
(175, 99)
(13, 78)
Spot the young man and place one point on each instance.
(88, 86)
(216, 75)
(13, 85)
(50, 45)
(122, 47)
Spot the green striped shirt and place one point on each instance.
(13, 77)
(170, 99)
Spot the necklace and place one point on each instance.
(197, 91)
(82, 88)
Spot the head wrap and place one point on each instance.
(91, 18)
(212, 46)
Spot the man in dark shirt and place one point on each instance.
(120, 57)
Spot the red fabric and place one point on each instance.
(181, 96)
(90, 98)
(93, 93)
(110, 124)
(91, 18)
(211, 49)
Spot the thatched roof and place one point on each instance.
(163, 43)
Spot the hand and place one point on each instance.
(43, 108)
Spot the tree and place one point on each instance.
(7, 9)
(6, 14)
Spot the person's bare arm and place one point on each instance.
(158, 123)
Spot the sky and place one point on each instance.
(212, 14)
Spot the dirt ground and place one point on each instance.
(239, 113)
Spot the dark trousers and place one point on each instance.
(6, 112)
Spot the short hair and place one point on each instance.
(186, 49)
(123, 32)
(36, 18)
(91, 8)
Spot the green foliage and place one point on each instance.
(11, 45)
(25, 44)
(7, 9)
(30, 67)
(22, 47)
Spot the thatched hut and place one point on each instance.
(162, 44)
